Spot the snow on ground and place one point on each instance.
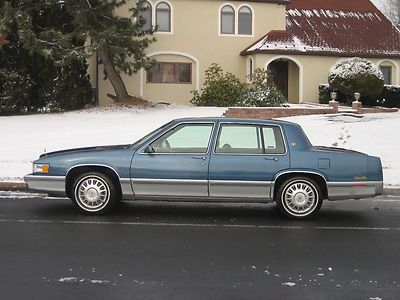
(24, 138)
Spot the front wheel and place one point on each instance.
(299, 198)
(94, 193)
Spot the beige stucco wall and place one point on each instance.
(313, 70)
(196, 38)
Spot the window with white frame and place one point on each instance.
(387, 74)
(146, 15)
(227, 20)
(170, 72)
(245, 21)
(250, 66)
(163, 17)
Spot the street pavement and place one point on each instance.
(158, 250)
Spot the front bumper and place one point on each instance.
(354, 190)
(54, 185)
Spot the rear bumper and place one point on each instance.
(54, 185)
(354, 190)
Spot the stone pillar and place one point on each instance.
(335, 105)
(357, 106)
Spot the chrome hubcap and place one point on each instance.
(300, 198)
(92, 193)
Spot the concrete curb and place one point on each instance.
(21, 186)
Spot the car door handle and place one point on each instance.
(199, 157)
(271, 158)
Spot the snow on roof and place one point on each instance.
(332, 27)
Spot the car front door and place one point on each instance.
(245, 159)
(175, 164)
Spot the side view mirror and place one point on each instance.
(149, 149)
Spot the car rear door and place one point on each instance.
(245, 159)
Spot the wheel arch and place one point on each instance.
(319, 178)
(74, 171)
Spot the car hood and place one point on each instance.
(85, 149)
(334, 149)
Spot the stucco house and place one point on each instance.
(297, 40)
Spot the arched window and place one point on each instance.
(245, 21)
(227, 20)
(146, 15)
(250, 69)
(163, 17)
(387, 73)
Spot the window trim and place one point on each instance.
(175, 64)
(163, 10)
(259, 126)
(212, 123)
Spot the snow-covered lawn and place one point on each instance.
(24, 138)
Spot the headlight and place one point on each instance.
(40, 168)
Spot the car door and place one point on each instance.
(175, 164)
(245, 159)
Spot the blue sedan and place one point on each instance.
(211, 159)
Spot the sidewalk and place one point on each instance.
(18, 184)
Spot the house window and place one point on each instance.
(245, 21)
(163, 17)
(387, 74)
(169, 72)
(146, 15)
(227, 20)
(251, 69)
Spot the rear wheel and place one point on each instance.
(94, 193)
(299, 198)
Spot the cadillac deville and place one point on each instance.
(211, 159)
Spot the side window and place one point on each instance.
(227, 20)
(387, 74)
(185, 138)
(245, 21)
(273, 140)
(239, 139)
(163, 17)
(146, 15)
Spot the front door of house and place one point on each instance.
(280, 71)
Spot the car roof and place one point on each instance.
(234, 120)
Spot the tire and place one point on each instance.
(299, 198)
(94, 193)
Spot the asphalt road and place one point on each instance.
(198, 251)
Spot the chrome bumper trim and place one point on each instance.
(47, 184)
(354, 190)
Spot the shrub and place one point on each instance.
(14, 90)
(356, 75)
(225, 89)
(220, 89)
(390, 97)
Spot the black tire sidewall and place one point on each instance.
(282, 207)
(113, 199)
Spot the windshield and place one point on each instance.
(138, 142)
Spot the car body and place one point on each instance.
(211, 159)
